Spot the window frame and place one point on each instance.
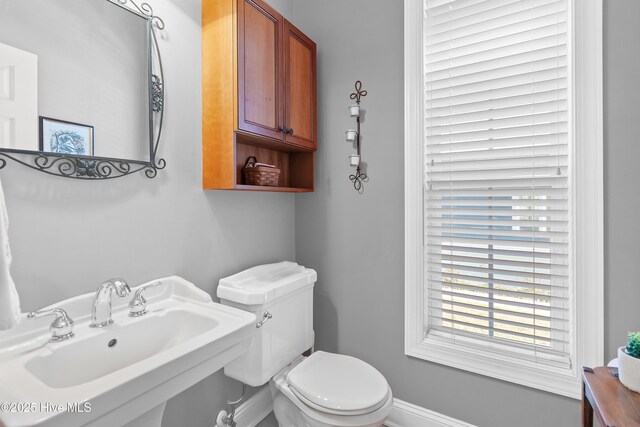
(588, 207)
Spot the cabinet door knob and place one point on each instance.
(283, 129)
(290, 131)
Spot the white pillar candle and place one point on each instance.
(354, 159)
(351, 135)
(355, 110)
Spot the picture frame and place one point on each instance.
(64, 137)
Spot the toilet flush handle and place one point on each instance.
(266, 316)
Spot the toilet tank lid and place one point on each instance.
(265, 283)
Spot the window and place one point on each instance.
(504, 188)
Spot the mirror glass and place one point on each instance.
(74, 77)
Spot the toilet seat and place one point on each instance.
(338, 384)
(336, 412)
(360, 417)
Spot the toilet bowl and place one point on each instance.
(321, 390)
(330, 390)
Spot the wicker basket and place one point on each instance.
(260, 175)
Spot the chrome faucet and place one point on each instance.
(103, 299)
(62, 326)
(138, 304)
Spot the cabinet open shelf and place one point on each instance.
(296, 165)
(242, 187)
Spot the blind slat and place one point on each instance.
(486, 230)
(525, 109)
(539, 215)
(506, 91)
(494, 65)
(470, 279)
(541, 21)
(494, 183)
(516, 312)
(543, 171)
(446, 147)
(497, 240)
(517, 13)
(496, 48)
(498, 122)
(524, 71)
(499, 323)
(559, 148)
(493, 192)
(528, 99)
(443, 294)
(496, 261)
(459, 9)
(538, 161)
(446, 264)
(531, 254)
(540, 300)
(504, 331)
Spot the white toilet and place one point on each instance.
(321, 390)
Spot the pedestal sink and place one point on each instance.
(121, 375)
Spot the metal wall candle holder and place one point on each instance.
(358, 177)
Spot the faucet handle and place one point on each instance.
(62, 326)
(138, 304)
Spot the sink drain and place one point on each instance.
(112, 342)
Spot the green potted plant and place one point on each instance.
(629, 363)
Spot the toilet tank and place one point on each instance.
(284, 291)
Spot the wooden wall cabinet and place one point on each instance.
(259, 95)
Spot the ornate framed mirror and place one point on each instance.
(81, 87)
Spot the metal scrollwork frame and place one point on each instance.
(359, 177)
(95, 167)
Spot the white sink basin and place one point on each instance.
(135, 341)
(125, 372)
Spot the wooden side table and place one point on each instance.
(613, 404)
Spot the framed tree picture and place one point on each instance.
(62, 137)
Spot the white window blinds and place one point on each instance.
(497, 167)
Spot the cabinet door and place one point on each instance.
(300, 88)
(260, 91)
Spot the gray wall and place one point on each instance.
(621, 151)
(67, 236)
(284, 7)
(356, 241)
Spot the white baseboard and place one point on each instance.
(255, 409)
(405, 414)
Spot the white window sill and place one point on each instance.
(474, 357)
